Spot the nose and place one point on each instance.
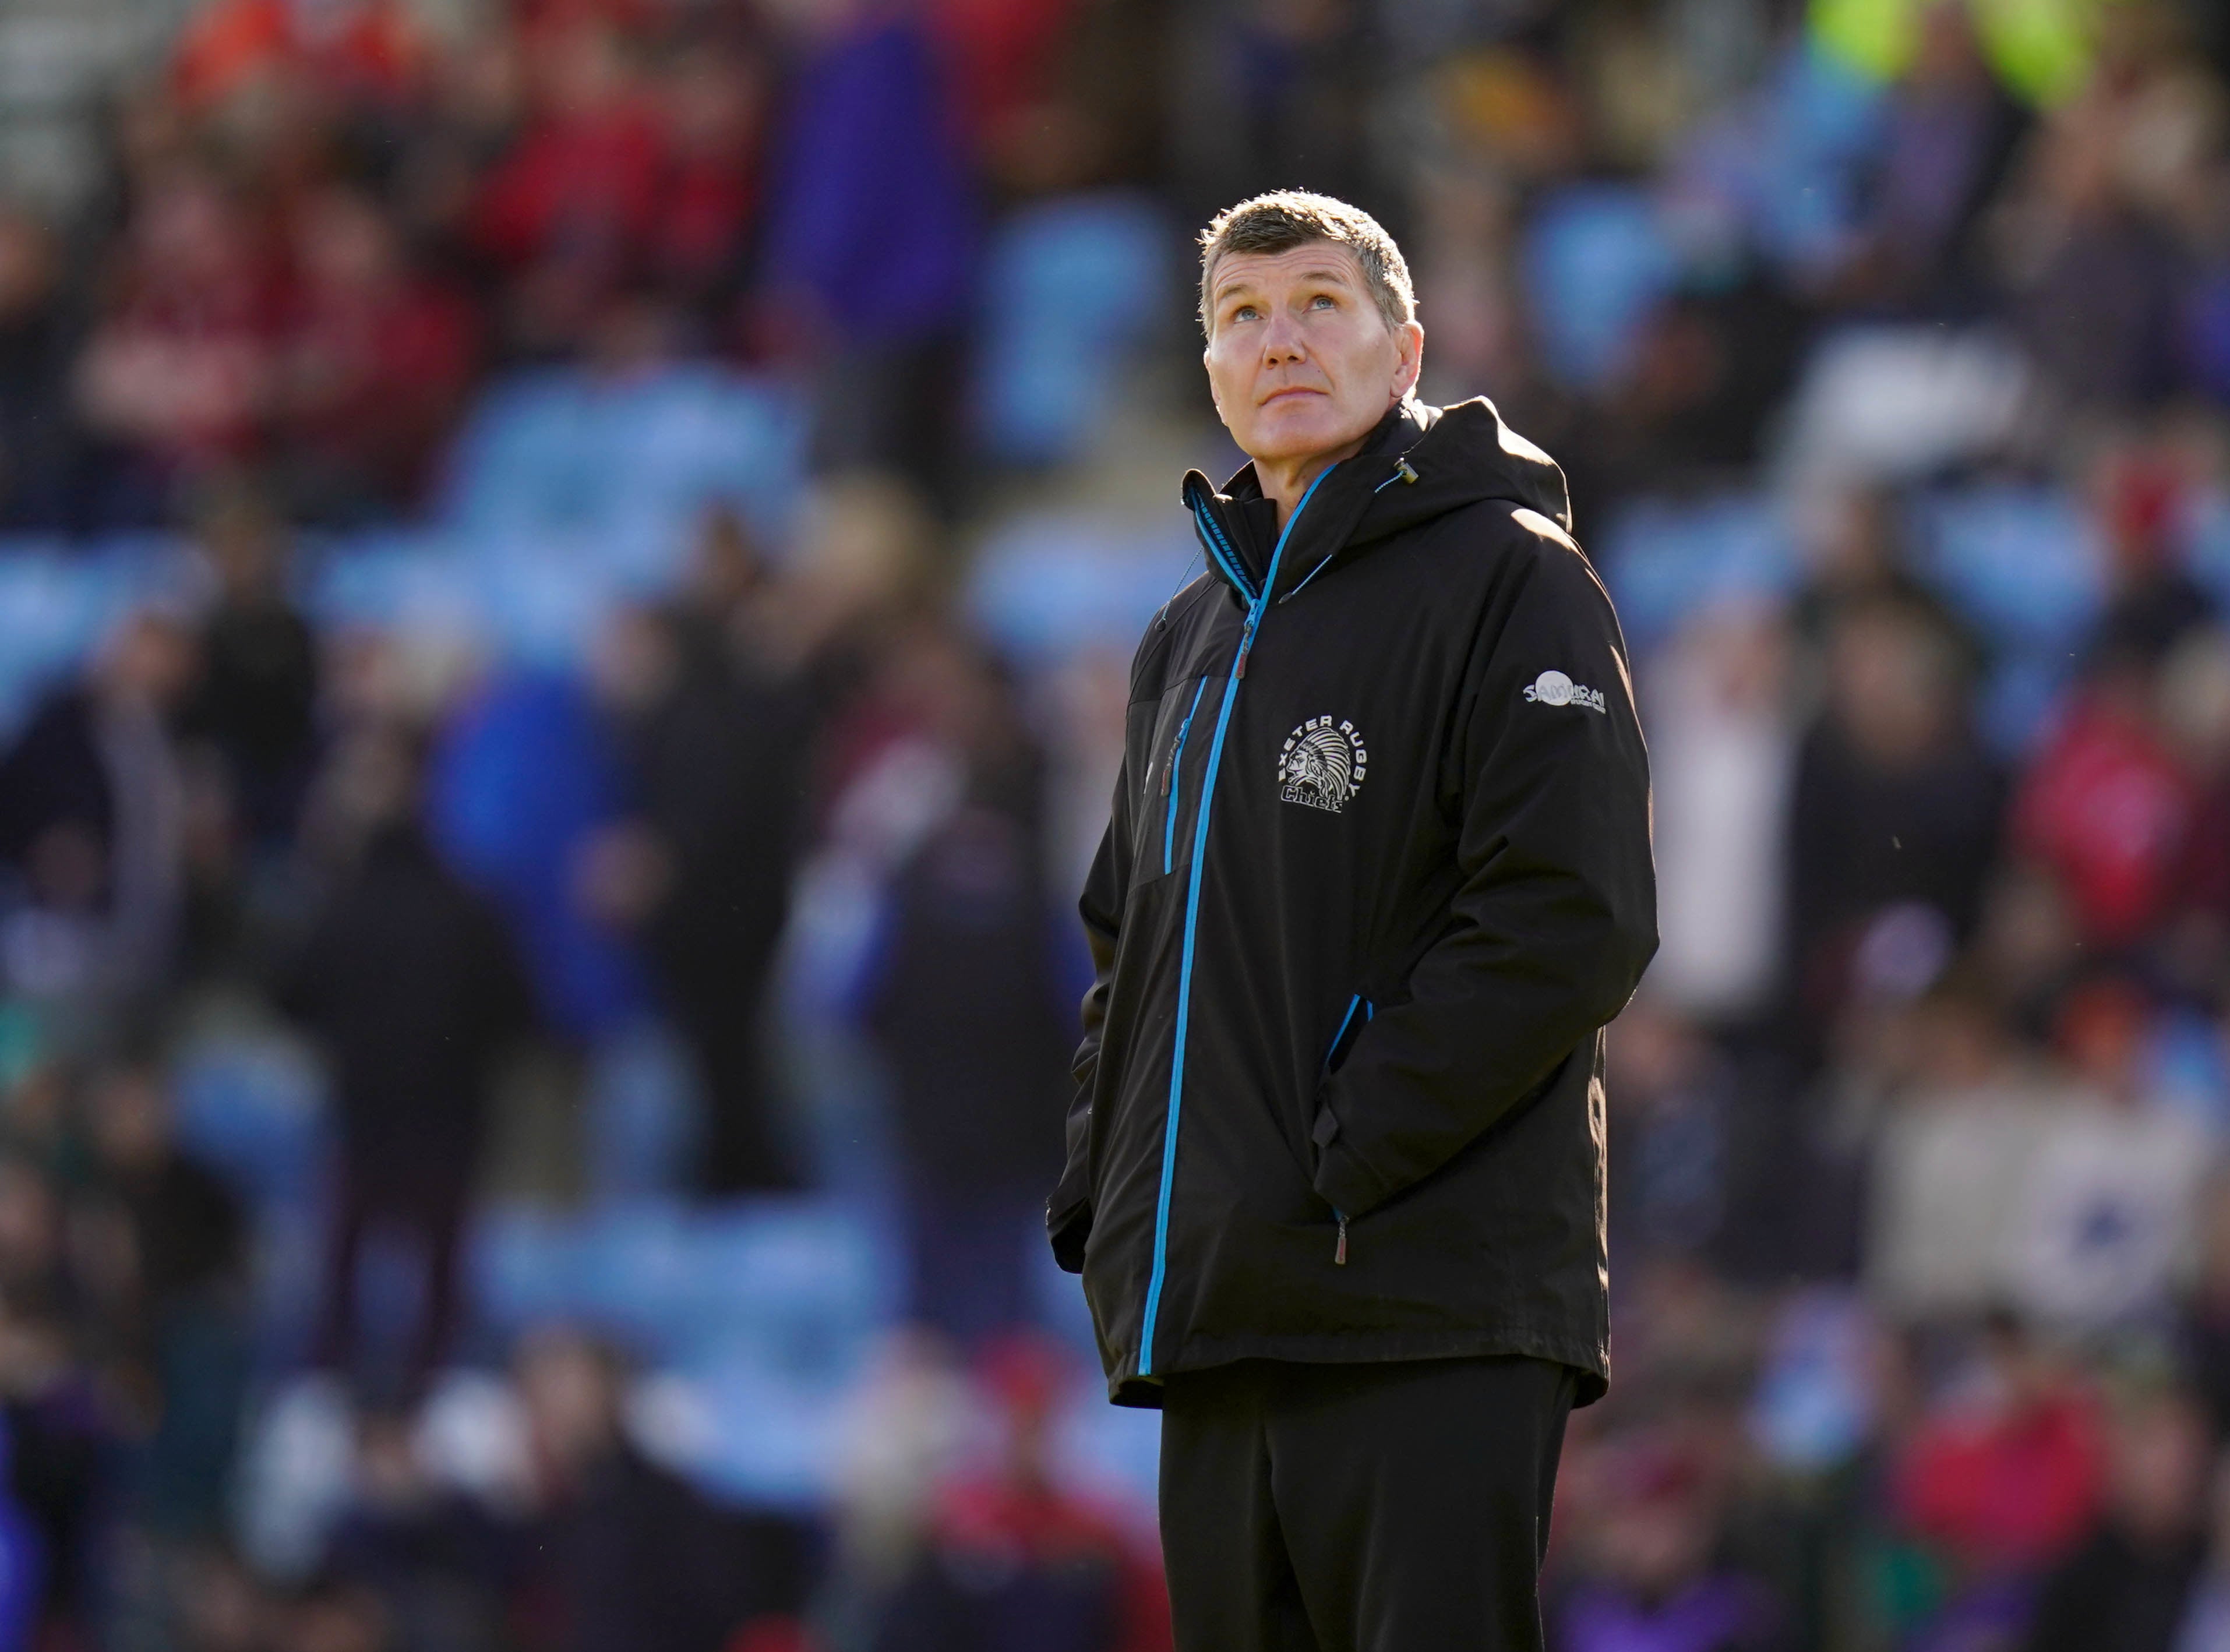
(1282, 341)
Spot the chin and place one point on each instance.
(1298, 435)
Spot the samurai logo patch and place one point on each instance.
(1555, 688)
(1321, 763)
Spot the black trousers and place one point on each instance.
(1399, 1507)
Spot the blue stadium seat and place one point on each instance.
(621, 472)
(1597, 262)
(1081, 278)
(1664, 558)
(254, 1109)
(1047, 585)
(1778, 169)
(57, 601)
(802, 1276)
(760, 1315)
(2025, 568)
(52, 607)
(2207, 550)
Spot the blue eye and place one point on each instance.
(1244, 312)
(1322, 300)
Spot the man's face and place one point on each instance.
(1300, 358)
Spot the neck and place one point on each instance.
(1287, 481)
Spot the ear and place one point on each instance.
(1409, 341)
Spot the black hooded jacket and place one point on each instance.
(1378, 874)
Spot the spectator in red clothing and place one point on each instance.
(179, 370)
(2194, 707)
(2006, 1474)
(2113, 805)
(2108, 808)
(713, 99)
(567, 208)
(373, 364)
(1003, 58)
(361, 47)
(2138, 501)
(1012, 1558)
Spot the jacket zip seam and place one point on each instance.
(1403, 471)
(1358, 1002)
(1172, 787)
(1176, 1108)
(1345, 1022)
(1219, 548)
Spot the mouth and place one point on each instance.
(1288, 393)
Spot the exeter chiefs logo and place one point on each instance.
(1322, 765)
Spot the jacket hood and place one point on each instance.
(1420, 464)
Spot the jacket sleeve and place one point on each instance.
(1069, 1213)
(1554, 917)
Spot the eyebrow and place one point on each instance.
(1326, 273)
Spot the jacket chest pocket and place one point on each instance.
(1175, 778)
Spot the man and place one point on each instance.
(91, 826)
(1377, 877)
(410, 982)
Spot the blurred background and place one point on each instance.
(567, 575)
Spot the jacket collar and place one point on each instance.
(1239, 529)
(1420, 463)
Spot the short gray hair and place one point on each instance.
(1285, 219)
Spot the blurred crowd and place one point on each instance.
(1887, 346)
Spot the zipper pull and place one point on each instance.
(1405, 471)
(1246, 641)
(1167, 770)
(1339, 1251)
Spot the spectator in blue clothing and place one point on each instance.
(1950, 134)
(870, 245)
(521, 779)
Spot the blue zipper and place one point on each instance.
(1345, 1022)
(1212, 538)
(1402, 471)
(1219, 548)
(1170, 783)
